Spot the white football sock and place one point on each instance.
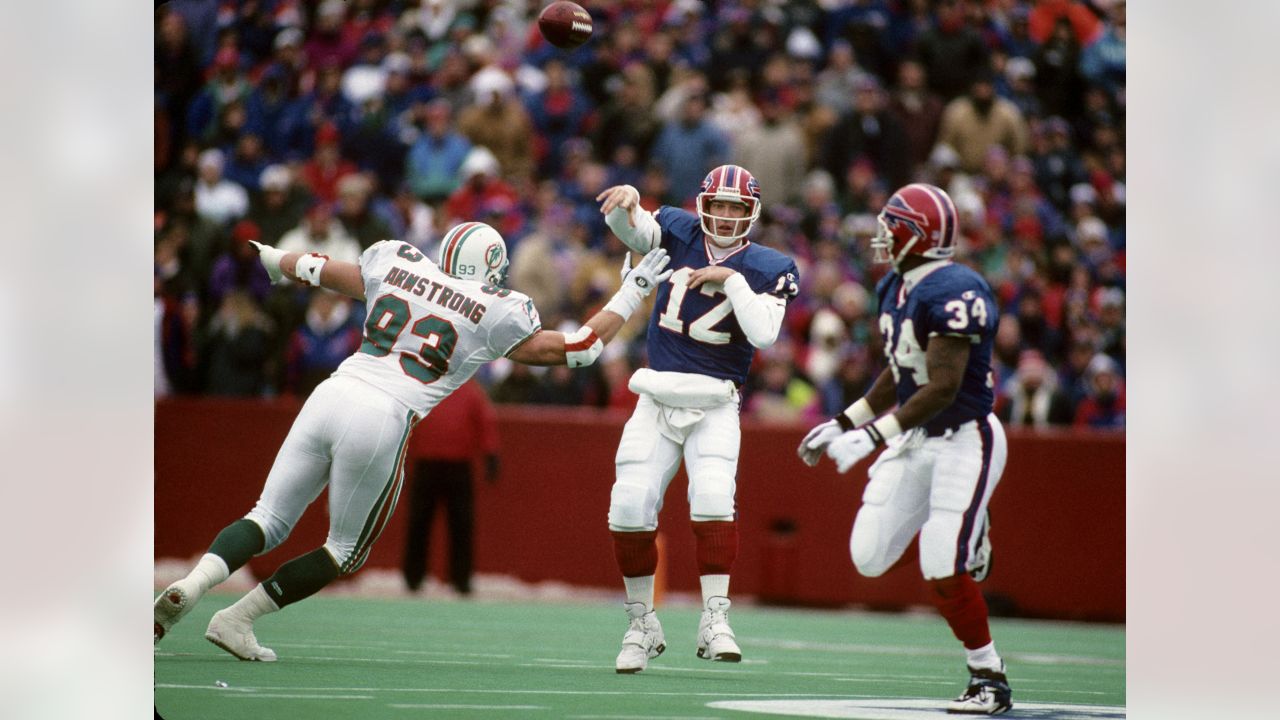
(984, 657)
(210, 571)
(714, 586)
(640, 589)
(254, 604)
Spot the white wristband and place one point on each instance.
(625, 302)
(308, 268)
(884, 429)
(860, 413)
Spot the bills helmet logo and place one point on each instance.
(898, 212)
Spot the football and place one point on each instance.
(565, 24)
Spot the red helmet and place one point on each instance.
(732, 184)
(919, 219)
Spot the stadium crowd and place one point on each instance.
(329, 126)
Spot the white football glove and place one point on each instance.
(270, 259)
(638, 282)
(646, 276)
(849, 448)
(811, 447)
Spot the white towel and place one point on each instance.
(681, 398)
(682, 390)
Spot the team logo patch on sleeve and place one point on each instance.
(532, 312)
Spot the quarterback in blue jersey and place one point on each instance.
(945, 449)
(725, 298)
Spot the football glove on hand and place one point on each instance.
(646, 275)
(638, 282)
(270, 259)
(811, 447)
(849, 448)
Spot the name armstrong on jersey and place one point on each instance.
(438, 293)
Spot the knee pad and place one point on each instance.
(274, 529)
(711, 497)
(632, 506)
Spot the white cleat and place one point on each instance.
(173, 604)
(643, 640)
(233, 633)
(988, 694)
(715, 637)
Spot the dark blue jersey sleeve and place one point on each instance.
(959, 303)
(769, 271)
(678, 226)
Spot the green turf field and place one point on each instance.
(364, 659)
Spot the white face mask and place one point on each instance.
(741, 225)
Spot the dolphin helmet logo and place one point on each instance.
(493, 255)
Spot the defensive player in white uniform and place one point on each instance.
(429, 328)
(945, 448)
(726, 298)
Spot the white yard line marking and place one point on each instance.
(303, 697)
(909, 709)
(475, 691)
(496, 656)
(933, 681)
(388, 660)
(917, 651)
(641, 717)
(318, 646)
(430, 706)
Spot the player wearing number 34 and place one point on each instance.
(725, 298)
(945, 449)
(429, 328)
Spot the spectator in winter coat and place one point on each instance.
(1031, 398)
(973, 123)
(1103, 407)
(499, 122)
(435, 159)
(688, 148)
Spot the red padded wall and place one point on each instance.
(1058, 515)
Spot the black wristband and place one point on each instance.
(844, 422)
(876, 437)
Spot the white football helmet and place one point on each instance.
(729, 183)
(474, 251)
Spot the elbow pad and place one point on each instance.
(582, 347)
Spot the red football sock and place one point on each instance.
(961, 603)
(636, 552)
(717, 546)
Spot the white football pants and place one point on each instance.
(937, 486)
(653, 442)
(350, 436)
